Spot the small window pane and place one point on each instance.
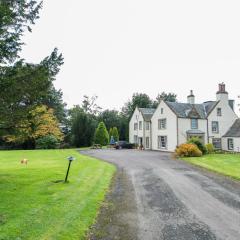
(230, 144)
(194, 123)
(215, 127)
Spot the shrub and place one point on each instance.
(198, 143)
(188, 150)
(47, 142)
(101, 135)
(209, 147)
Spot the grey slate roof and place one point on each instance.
(234, 131)
(186, 110)
(147, 113)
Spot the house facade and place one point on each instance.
(173, 123)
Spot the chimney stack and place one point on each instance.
(191, 98)
(222, 94)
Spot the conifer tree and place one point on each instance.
(101, 134)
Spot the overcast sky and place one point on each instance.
(115, 48)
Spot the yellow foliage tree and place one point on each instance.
(41, 122)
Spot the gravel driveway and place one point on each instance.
(155, 197)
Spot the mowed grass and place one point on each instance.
(33, 207)
(227, 164)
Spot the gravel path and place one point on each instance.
(155, 197)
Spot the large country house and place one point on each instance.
(173, 123)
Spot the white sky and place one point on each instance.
(115, 48)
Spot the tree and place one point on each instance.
(24, 87)
(16, 16)
(110, 132)
(54, 100)
(111, 118)
(141, 100)
(40, 122)
(101, 134)
(169, 97)
(115, 134)
(82, 127)
(90, 106)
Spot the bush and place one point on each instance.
(188, 150)
(198, 143)
(101, 135)
(210, 147)
(47, 142)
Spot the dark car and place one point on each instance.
(124, 144)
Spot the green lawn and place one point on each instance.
(33, 207)
(227, 164)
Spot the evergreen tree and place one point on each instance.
(110, 132)
(101, 134)
(115, 134)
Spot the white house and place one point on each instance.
(173, 123)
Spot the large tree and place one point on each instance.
(82, 127)
(40, 122)
(25, 86)
(101, 135)
(16, 16)
(169, 97)
(141, 100)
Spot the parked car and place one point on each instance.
(124, 144)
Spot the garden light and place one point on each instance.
(70, 159)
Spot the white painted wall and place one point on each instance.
(136, 118)
(170, 131)
(225, 121)
(184, 124)
(236, 143)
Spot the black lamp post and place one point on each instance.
(70, 159)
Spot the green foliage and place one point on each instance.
(169, 97)
(141, 100)
(209, 147)
(16, 16)
(28, 191)
(47, 142)
(188, 150)
(115, 134)
(101, 135)
(25, 86)
(110, 133)
(199, 144)
(82, 128)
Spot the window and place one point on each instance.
(215, 127)
(162, 142)
(140, 125)
(217, 143)
(161, 110)
(147, 126)
(230, 144)
(135, 126)
(162, 123)
(219, 112)
(135, 139)
(147, 142)
(194, 123)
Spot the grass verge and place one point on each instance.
(226, 164)
(34, 207)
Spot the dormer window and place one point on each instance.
(219, 112)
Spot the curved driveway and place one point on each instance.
(173, 200)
